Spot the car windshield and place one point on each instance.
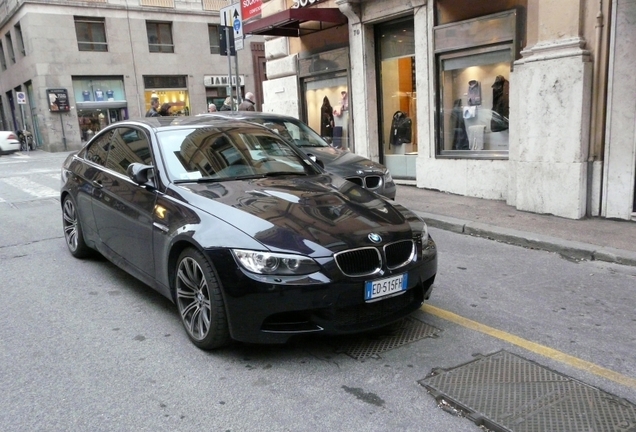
(293, 130)
(212, 154)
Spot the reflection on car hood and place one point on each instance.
(343, 162)
(315, 215)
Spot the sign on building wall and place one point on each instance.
(58, 100)
(222, 80)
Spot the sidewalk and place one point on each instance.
(590, 239)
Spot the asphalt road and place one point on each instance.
(84, 346)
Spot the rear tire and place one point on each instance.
(200, 302)
(73, 229)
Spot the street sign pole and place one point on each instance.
(232, 21)
(21, 96)
(229, 64)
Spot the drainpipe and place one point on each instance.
(595, 144)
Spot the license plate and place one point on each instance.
(384, 287)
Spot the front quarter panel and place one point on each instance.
(178, 225)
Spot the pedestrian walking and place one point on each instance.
(227, 104)
(248, 102)
(154, 108)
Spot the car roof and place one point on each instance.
(241, 115)
(159, 123)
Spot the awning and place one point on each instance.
(296, 22)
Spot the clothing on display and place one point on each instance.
(469, 112)
(474, 92)
(401, 129)
(326, 120)
(500, 103)
(476, 137)
(460, 137)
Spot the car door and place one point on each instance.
(122, 208)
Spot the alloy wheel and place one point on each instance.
(193, 298)
(70, 225)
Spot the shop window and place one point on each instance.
(328, 109)
(20, 39)
(3, 60)
(91, 34)
(324, 81)
(172, 90)
(473, 86)
(10, 47)
(213, 35)
(159, 37)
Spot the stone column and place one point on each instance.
(363, 93)
(550, 114)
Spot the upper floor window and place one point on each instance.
(3, 61)
(159, 37)
(20, 39)
(213, 33)
(10, 47)
(91, 34)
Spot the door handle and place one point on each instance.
(98, 184)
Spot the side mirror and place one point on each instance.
(315, 159)
(140, 173)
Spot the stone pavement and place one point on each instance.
(590, 239)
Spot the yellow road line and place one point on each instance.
(532, 346)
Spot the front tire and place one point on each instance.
(73, 229)
(200, 302)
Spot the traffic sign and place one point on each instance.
(21, 96)
(231, 17)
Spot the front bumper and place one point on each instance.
(273, 312)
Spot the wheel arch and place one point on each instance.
(175, 250)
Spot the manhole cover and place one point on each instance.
(505, 392)
(371, 344)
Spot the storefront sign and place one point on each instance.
(251, 9)
(58, 100)
(303, 3)
(222, 80)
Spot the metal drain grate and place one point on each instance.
(370, 345)
(504, 392)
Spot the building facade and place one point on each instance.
(85, 64)
(527, 101)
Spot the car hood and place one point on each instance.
(343, 162)
(315, 216)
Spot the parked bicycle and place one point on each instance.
(26, 140)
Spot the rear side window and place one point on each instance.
(97, 150)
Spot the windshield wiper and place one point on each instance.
(283, 173)
(220, 179)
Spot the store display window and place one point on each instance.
(98, 89)
(324, 80)
(474, 100)
(328, 109)
(474, 61)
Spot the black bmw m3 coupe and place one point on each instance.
(248, 236)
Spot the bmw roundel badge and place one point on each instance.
(375, 238)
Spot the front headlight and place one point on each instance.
(424, 233)
(387, 177)
(270, 263)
